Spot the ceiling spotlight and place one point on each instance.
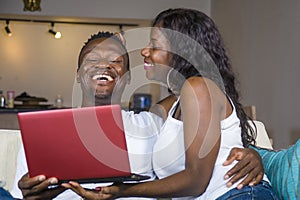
(56, 34)
(7, 30)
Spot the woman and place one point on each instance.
(205, 122)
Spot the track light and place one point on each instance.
(7, 30)
(56, 34)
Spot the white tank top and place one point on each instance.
(169, 152)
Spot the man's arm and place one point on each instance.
(249, 165)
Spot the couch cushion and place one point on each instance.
(10, 143)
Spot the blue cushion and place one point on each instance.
(282, 169)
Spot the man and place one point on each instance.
(103, 72)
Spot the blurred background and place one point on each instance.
(261, 38)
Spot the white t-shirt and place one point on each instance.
(169, 152)
(141, 131)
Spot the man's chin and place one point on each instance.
(101, 99)
(102, 96)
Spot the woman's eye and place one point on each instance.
(153, 46)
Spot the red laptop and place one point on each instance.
(83, 144)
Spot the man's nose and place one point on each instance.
(103, 64)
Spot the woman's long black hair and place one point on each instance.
(203, 30)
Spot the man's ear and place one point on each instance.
(121, 37)
(77, 77)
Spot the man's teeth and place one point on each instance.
(103, 77)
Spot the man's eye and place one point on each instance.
(115, 60)
(91, 60)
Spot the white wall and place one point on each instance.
(32, 61)
(128, 9)
(263, 42)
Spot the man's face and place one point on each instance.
(102, 70)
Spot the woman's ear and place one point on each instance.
(128, 77)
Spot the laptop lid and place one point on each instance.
(82, 144)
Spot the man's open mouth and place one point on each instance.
(103, 77)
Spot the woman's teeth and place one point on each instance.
(148, 65)
(103, 77)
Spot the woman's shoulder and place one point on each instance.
(201, 84)
(204, 91)
(167, 101)
(199, 80)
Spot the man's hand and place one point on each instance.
(249, 165)
(37, 187)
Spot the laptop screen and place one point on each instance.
(83, 144)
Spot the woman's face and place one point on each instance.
(157, 56)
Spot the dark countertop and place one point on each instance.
(17, 110)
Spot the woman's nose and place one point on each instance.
(145, 51)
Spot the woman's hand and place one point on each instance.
(249, 165)
(99, 193)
